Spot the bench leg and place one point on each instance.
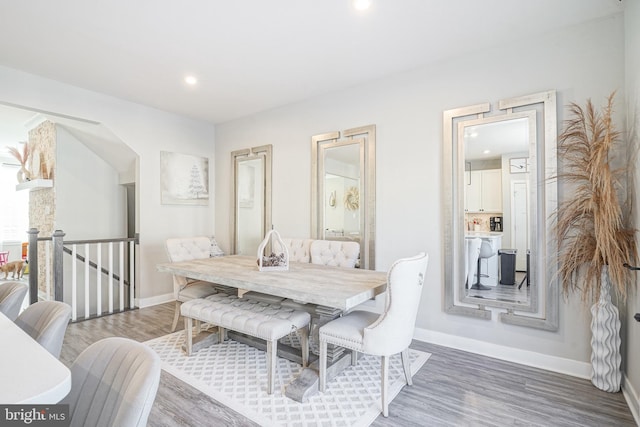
(176, 315)
(303, 334)
(272, 356)
(188, 326)
(221, 334)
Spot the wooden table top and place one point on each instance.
(336, 287)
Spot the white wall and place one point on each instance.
(147, 131)
(90, 202)
(631, 339)
(581, 62)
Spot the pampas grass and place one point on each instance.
(20, 157)
(591, 228)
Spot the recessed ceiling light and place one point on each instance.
(190, 80)
(486, 151)
(361, 4)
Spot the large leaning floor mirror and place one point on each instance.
(251, 177)
(500, 193)
(343, 189)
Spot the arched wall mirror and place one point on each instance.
(343, 189)
(499, 196)
(251, 177)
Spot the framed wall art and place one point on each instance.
(184, 179)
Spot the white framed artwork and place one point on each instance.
(184, 179)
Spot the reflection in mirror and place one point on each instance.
(251, 172)
(343, 189)
(499, 195)
(497, 205)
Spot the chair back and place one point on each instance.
(393, 331)
(11, 298)
(298, 249)
(46, 322)
(4, 257)
(335, 253)
(186, 249)
(113, 383)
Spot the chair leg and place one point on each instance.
(176, 315)
(303, 334)
(188, 326)
(384, 387)
(323, 365)
(272, 356)
(198, 323)
(354, 358)
(407, 366)
(220, 334)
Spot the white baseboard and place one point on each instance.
(523, 357)
(631, 396)
(158, 299)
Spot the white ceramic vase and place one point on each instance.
(23, 175)
(605, 340)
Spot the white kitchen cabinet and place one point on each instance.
(483, 191)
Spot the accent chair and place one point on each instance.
(381, 335)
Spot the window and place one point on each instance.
(14, 210)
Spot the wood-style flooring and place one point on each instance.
(454, 388)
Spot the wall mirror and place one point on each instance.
(251, 177)
(499, 194)
(343, 189)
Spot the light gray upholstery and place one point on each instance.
(269, 322)
(298, 249)
(11, 298)
(113, 383)
(385, 334)
(185, 289)
(46, 322)
(335, 253)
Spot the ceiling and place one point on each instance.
(254, 55)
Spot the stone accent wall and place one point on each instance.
(42, 202)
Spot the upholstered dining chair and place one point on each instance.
(4, 257)
(46, 322)
(335, 253)
(114, 382)
(298, 250)
(11, 298)
(385, 334)
(185, 289)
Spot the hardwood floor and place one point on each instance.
(454, 388)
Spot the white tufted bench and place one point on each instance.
(269, 322)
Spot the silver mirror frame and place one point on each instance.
(265, 152)
(544, 263)
(365, 135)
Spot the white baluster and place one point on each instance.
(99, 279)
(121, 271)
(74, 283)
(132, 270)
(110, 277)
(87, 294)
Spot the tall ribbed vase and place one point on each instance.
(605, 340)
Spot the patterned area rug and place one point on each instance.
(235, 375)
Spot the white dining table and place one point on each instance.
(29, 374)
